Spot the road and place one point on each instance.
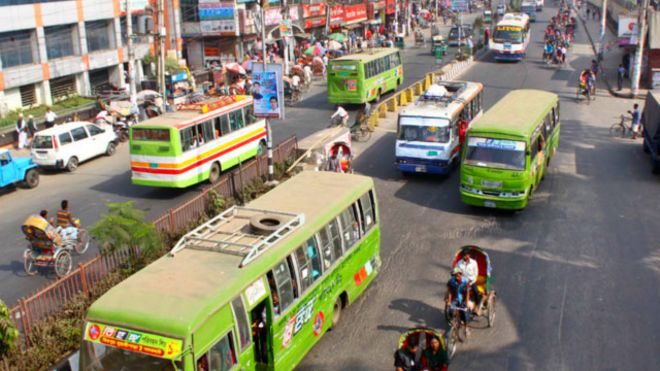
(577, 272)
(107, 179)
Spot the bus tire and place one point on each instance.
(214, 174)
(336, 311)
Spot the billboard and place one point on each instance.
(271, 90)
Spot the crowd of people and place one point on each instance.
(559, 35)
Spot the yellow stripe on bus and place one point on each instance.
(208, 153)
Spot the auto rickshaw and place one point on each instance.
(49, 245)
(438, 46)
(488, 16)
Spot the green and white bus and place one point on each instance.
(364, 77)
(254, 288)
(508, 149)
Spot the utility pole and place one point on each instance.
(285, 41)
(269, 131)
(161, 52)
(637, 71)
(131, 54)
(603, 25)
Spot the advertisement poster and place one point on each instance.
(277, 69)
(264, 92)
(134, 341)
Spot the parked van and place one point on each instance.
(651, 121)
(65, 146)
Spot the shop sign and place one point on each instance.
(355, 13)
(216, 11)
(627, 27)
(337, 14)
(225, 27)
(314, 22)
(272, 16)
(133, 341)
(293, 13)
(314, 10)
(211, 52)
(390, 7)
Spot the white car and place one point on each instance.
(501, 9)
(65, 146)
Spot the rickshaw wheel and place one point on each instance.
(28, 263)
(447, 316)
(491, 310)
(63, 263)
(83, 241)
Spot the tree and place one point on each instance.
(124, 226)
(8, 331)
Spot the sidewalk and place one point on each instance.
(612, 57)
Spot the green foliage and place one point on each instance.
(172, 66)
(149, 58)
(8, 331)
(65, 104)
(217, 204)
(124, 226)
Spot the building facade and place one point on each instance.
(53, 49)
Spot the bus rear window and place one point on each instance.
(158, 135)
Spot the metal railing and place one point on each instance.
(41, 304)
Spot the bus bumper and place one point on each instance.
(492, 202)
(501, 56)
(339, 99)
(407, 165)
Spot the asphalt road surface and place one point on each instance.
(107, 179)
(576, 273)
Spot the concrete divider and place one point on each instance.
(407, 96)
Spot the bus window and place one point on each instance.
(281, 287)
(350, 228)
(330, 243)
(309, 264)
(548, 125)
(187, 135)
(221, 356)
(368, 212)
(250, 118)
(242, 324)
(555, 111)
(236, 120)
(222, 125)
(207, 130)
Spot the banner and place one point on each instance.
(337, 14)
(627, 27)
(355, 13)
(133, 341)
(285, 28)
(216, 11)
(314, 10)
(278, 70)
(264, 92)
(390, 7)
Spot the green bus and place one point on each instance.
(364, 77)
(508, 149)
(254, 288)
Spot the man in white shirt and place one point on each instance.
(340, 114)
(470, 270)
(50, 117)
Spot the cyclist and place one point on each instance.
(636, 120)
(458, 294)
(339, 117)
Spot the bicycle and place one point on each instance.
(620, 129)
(456, 326)
(361, 132)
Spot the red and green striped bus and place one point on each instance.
(254, 288)
(195, 143)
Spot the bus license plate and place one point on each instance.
(420, 169)
(490, 204)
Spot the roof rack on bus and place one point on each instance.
(241, 231)
(211, 104)
(443, 92)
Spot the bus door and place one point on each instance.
(254, 316)
(261, 323)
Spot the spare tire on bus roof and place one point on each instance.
(267, 223)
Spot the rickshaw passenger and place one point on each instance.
(404, 358)
(434, 357)
(470, 270)
(458, 294)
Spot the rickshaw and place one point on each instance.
(488, 16)
(400, 41)
(51, 246)
(423, 335)
(419, 38)
(438, 46)
(486, 305)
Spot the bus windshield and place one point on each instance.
(496, 153)
(95, 356)
(508, 34)
(350, 67)
(418, 129)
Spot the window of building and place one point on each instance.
(28, 95)
(189, 10)
(122, 25)
(60, 41)
(16, 48)
(99, 35)
(79, 133)
(62, 87)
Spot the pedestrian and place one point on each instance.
(32, 126)
(636, 120)
(620, 74)
(588, 12)
(470, 45)
(486, 36)
(21, 131)
(50, 117)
